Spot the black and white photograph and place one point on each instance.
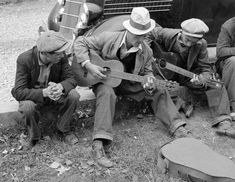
(117, 91)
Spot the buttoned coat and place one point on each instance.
(197, 55)
(107, 44)
(27, 73)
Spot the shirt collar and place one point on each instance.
(123, 42)
(40, 63)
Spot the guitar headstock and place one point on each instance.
(165, 84)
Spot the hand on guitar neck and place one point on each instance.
(205, 80)
(148, 84)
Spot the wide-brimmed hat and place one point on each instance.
(194, 27)
(139, 22)
(51, 41)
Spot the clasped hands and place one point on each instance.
(54, 91)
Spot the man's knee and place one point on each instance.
(73, 95)
(27, 107)
(105, 90)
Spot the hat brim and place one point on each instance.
(193, 35)
(135, 31)
(65, 47)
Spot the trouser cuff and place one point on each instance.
(220, 119)
(103, 135)
(176, 125)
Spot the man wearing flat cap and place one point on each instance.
(44, 85)
(132, 51)
(190, 46)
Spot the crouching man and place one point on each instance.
(44, 83)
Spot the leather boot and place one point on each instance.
(99, 155)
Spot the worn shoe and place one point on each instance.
(224, 125)
(71, 138)
(188, 109)
(99, 155)
(181, 132)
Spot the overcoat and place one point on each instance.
(27, 73)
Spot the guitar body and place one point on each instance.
(194, 161)
(160, 53)
(85, 79)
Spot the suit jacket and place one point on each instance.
(197, 59)
(226, 40)
(27, 72)
(107, 44)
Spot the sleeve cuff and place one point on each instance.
(84, 63)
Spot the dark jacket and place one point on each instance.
(27, 72)
(197, 58)
(226, 40)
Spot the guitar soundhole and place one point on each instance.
(162, 63)
(106, 70)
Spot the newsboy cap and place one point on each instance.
(51, 41)
(194, 27)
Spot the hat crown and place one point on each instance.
(51, 41)
(140, 15)
(194, 27)
(139, 22)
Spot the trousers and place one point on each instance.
(61, 110)
(162, 105)
(228, 77)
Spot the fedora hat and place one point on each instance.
(139, 22)
(194, 27)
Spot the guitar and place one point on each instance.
(163, 64)
(192, 160)
(114, 72)
(70, 17)
(173, 58)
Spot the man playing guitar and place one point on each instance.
(189, 44)
(129, 48)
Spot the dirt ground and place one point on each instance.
(136, 142)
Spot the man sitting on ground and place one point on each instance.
(189, 44)
(44, 84)
(225, 51)
(129, 48)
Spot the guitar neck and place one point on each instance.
(133, 77)
(70, 17)
(179, 70)
(126, 76)
(211, 83)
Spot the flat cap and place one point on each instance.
(51, 41)
(194, 27)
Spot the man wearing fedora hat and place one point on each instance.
(130, 48)
(189, 44)
(44, 85)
